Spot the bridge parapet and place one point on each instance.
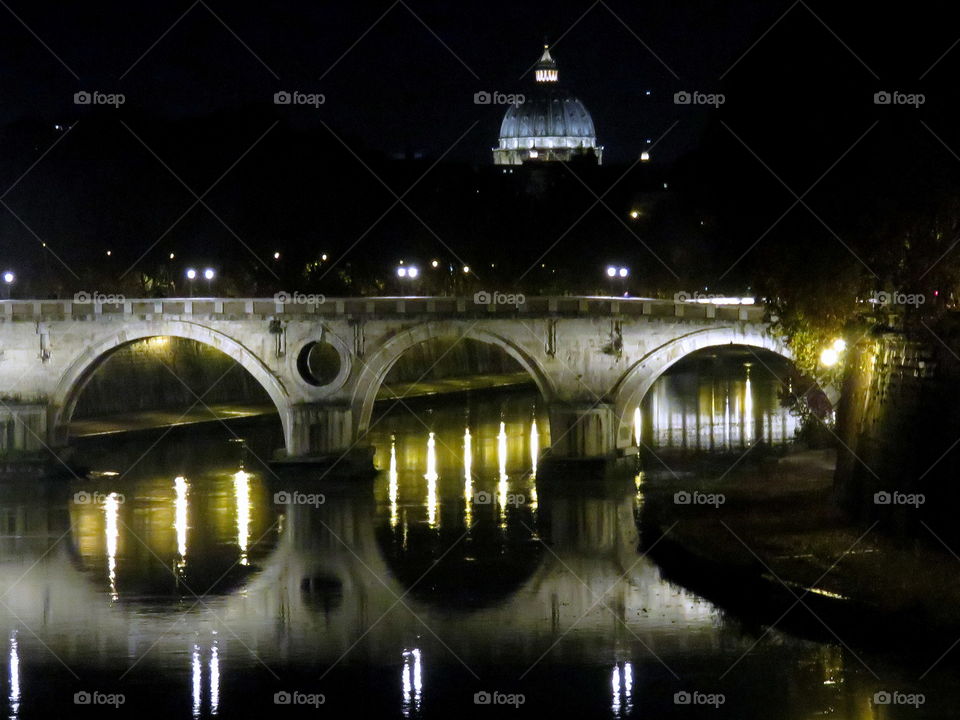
(298, 306)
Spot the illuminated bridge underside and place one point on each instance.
(593, 359)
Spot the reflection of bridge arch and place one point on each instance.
(375, 369)
(81, 370)
(640, 377)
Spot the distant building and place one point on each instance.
(550, 125)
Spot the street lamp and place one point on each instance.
(8, 279)
(617, 271)
(191, 276)
(209, 274)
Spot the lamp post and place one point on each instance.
(617, 271)
(191, 276)
(8, 279)
(209, 274)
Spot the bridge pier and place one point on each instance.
(581, 431)
(23, 428)
(325, 434)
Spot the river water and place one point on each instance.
(184, 577)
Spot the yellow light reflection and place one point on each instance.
(241, 486)
(637, 427)
(468, 478)
(394, 487)
(534, 456)
(748, 409)
(180, 519)
(502, 486)
(111, 507)
(412, 680)
(431, 477)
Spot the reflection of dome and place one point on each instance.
(550, 124)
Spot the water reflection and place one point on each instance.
(320, 597)
(717, 402)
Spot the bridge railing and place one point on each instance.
(307, 305)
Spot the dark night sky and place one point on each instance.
(399, 77)
(399, 88)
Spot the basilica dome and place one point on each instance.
(550, 124)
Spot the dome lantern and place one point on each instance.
(546, 68)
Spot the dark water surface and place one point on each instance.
(186, 576)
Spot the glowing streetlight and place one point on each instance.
(412, 272)
(401, 272)
(8, 279)
(276, 256)
(611, 271)
(191, 274)
(466, 269)
(839, 345)
(829, 357)
(623, 272)
(209, 274)
(434, 263)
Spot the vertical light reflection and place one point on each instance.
(637, 427)
(621, 686)
(412, 682)
(197, 682)
(214, 679)
(467, 478)
(14, 676)
(534, 456)
(431, 477)
(502, 462)
(111, 507)
(394, 484)
(241, 486)
(726, 421)
(748, 409)
(180, 520)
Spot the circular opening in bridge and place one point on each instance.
(319, 363)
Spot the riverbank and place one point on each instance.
(769, 532)
(158, 419)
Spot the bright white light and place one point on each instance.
(829, 357)
(191, 274)
(644, 156)
(276, 256)
(9, 277)
(413, 272)
(466, 268)
(623, 272)
(172, 256)
(839, 345)
(324, 257)
(208, 273)
(401, 272)
(434, 263)
(611, 271)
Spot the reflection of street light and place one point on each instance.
(191, 276)
(8, 279)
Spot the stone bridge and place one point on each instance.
(323, 360)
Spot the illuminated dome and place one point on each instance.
(549, 125)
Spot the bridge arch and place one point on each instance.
(639, 378)
(82, 368)
(374, 370)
